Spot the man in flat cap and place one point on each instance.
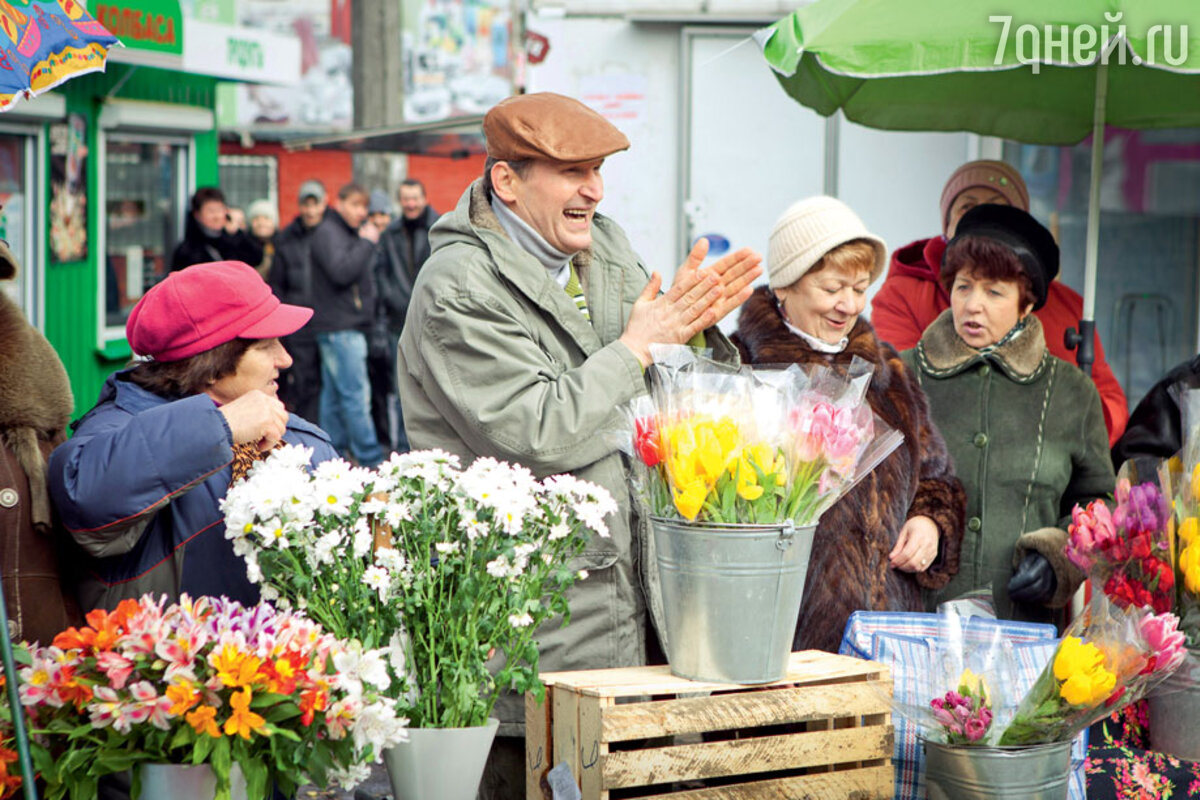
(530, 323)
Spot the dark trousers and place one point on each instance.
(504, 774)
(300, 384)
(385, 392)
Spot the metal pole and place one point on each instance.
(1087, 325)
(14, 702)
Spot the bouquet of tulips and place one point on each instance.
(957, 685)
(1180, 479)
(1126, 553)
(1109, 656)
(204, 681)
(717, 445)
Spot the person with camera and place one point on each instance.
(213, 234)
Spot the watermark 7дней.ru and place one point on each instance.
(1072, 45)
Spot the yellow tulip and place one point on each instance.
(689, 498)
(1188, 529)
(973, 684)
(1189, 565)
(1079, 666)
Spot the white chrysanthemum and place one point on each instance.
(363, 540)
(391, 559)
(253, 571)
(269, 593)
(396, 513)
(522, 620)
(559, 530)
(583, 573)
(499, 567)
(378, 580)
(446, 548)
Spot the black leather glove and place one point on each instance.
(1034, 581)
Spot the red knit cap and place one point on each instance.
(995, 175)
(206, 305)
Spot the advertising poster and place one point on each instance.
(68, 190)
(457, 57)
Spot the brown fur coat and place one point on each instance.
(35, 405)
(849, 568)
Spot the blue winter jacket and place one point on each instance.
(138, 487)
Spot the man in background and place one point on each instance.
(343, 294)
(403, 249)
(291, 279)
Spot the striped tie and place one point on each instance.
(575, 290)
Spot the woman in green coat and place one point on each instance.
(1025, 429)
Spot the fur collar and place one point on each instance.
(764, 338)
(34, 391)
(943, 353)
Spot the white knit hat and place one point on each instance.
(807, 231)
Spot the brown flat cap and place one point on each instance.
(548, 125)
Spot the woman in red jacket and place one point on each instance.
(911, 297)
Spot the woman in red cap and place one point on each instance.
(139, 484)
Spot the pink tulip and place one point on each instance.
(1092, 534)
(1165, 639)
(974, 729)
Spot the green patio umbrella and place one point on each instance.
(1034, 71)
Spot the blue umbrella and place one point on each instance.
(44, 43)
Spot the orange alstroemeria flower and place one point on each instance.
(203, 720)
(236, 668)
(103, 630)
(242, 721)
(183, 697)
(72, 691)
(312, 701)
(282, 673)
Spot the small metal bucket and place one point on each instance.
(965, 772)
(1174, 710)
(731, 597)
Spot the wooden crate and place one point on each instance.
(823, 733)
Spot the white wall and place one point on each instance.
(591, 56)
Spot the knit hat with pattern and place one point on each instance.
(807, 231)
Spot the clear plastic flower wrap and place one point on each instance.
(715, 444)
(959, 682)
(1108, 657)
(1126, 552)
(1180, 481)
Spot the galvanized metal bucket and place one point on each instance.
(964, 772)
(1174, 710)
(731, 597)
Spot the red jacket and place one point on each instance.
(911, 298)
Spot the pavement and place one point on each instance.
(376, 787)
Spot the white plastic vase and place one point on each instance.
(442, 763)
(180, 782)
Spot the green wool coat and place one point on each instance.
(496, 360)
(1026, 432)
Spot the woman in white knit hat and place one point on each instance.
(898, 532)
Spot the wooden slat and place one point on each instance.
(744, 756)
(750, 709)
(592, 751)
(565, 733)
(870, 783)
(809, 666)
(537, 744)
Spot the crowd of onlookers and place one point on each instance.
(351, 259)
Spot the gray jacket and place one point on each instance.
(496, 360)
